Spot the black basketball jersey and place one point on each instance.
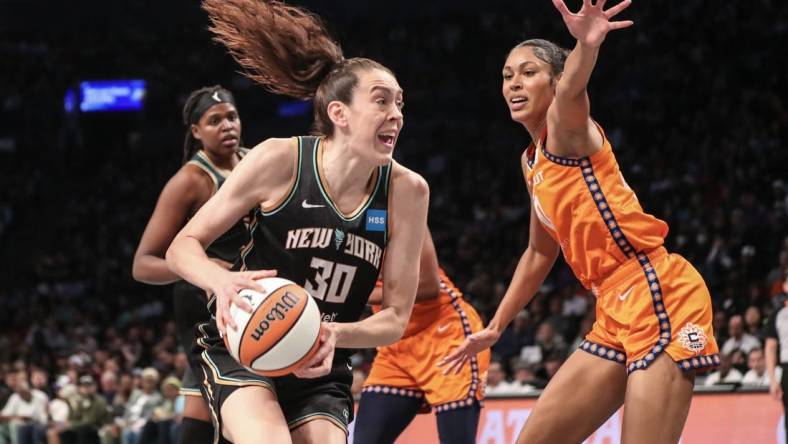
(336, 257)
(227, 246)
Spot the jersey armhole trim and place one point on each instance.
(205, 168)
(293, 187)
(573, 161)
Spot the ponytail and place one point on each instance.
(287, 50)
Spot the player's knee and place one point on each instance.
(240, 427)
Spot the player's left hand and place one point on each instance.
(591, 24)
(475, 343)
(320, 364)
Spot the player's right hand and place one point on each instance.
(473, 344)
(321, 362)
(775, 390)
(226, 289)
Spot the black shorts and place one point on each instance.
(301, 400)
(189, 303)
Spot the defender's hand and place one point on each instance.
(591, 24)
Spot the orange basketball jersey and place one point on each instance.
(589, 210)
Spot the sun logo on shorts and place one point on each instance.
(692, 337)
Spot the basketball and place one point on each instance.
(282, 331)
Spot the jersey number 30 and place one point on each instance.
(331, 282)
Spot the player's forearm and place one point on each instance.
(153, 270)
(528, 277)
(382, 328)
(186, 257)
(577, 72)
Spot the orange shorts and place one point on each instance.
(410, 366)
(654, 303)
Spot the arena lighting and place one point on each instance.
(111, 95)
(294, 108)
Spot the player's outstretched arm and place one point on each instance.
(257, 179)
(531, 271)
(408, 221)
(569, 115)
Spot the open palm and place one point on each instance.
(591, 24)
(473, 344)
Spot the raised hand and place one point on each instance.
(473, 344)
(226, 290)
(591, 24)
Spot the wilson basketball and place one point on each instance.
(282, 331)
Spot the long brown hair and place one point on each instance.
(288, 51)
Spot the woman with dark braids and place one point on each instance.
(211, 150)
(329, 212)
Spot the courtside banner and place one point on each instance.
(730, 418)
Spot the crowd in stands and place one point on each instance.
(691, 100)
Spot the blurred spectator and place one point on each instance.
(25, 414)
(753, 323)
(39, 380)
(739, 361)
(738, 338)
(88, 414)
(725, 373)
(109, 386)
(525, 380)
(496, 380)
(756, 376)
(160, 427)
(60, 407)
(7, 386)
(137, 411)
(141, 406)
(517, 335)
(719, 323)
(548, 340)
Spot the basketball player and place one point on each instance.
(211, 150)
(405, 379)
(653, 310)
(325, 210)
